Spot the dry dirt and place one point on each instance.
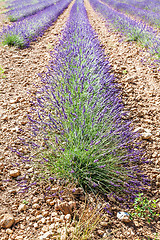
(141, 96)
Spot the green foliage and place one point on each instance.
(145, 208)
(1, 72)
(12, 18)
(25, 202)
(125, 71)
(13, 40)
(158, 52)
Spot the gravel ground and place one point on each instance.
(33, 215)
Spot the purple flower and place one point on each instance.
(102, 166)
(96, 160)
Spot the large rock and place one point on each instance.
(65, 207)
(6, 220)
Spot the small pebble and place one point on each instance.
(22, 207)
(36, 206)
(15, 173)
(104, 224)
(9, 231)
(68, 217)
(100, 232)
(123, 216)
(35, 225)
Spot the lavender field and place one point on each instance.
(79, 118)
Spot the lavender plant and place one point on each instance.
(147, 15)
(19, 3)
(133, 30)
(148, 5)
(24, 11)
(21, 33)
(78, 131)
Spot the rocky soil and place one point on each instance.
(33, 215)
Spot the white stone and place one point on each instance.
(139, 129)
(38, 217)
(45, 213)
(62, 217)
(146, 135)
(22, 207)
(52, 203)
(55, 189)
(52, 226)
(22, 226)
(45, 228)
(100, 232)
(36, 200)
(43, 220)
(123, 216)
(63, 236)
(54, 214)
(15, 173)
(9, 231)
(19, 238)
(30, 170)
(36, 206)
(104, 224)
(35, 225)
(68, 217)
(46, 235)
(158, 178)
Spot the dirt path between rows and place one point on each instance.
(140, 84)
(36, 218)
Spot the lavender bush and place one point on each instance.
(24, 11)
(153, 5)
(78, 131)
(20, 3)
(132, 29)
(149, 16)
(21, 33)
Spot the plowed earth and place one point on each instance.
(140, 85)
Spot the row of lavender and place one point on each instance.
(23, 10)
(78, 116)
(21, 33)
(132, 29)
(148, 15)
(145, 4)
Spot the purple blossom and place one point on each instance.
(102, 166)
(96, 160)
